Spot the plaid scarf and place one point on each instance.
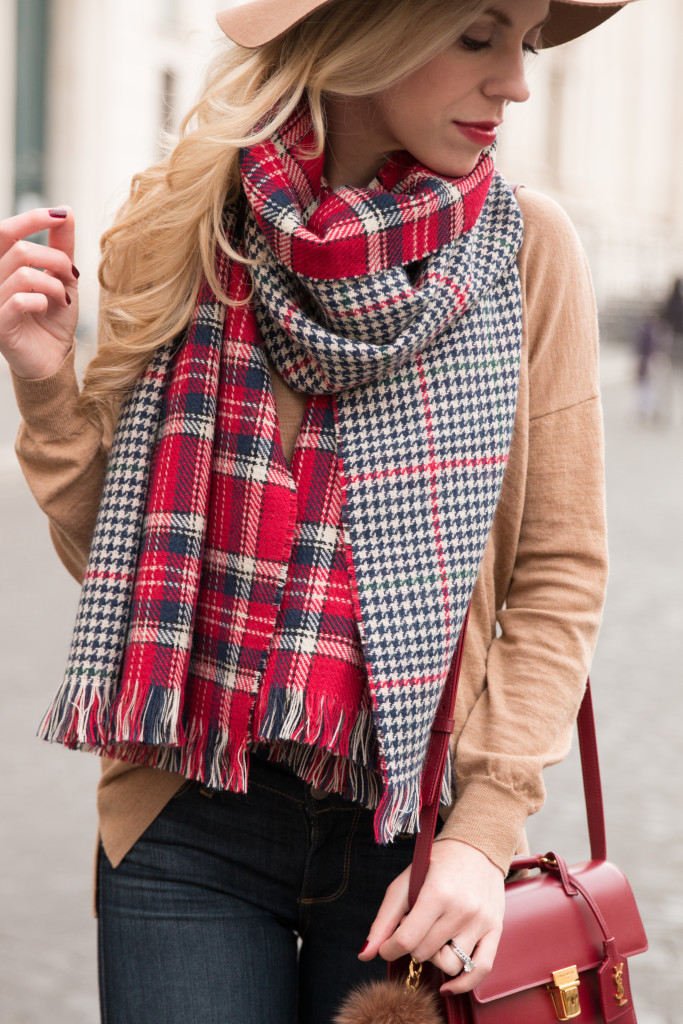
(402, 302)
(313, 707)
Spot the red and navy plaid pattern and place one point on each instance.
(234, 590)
(216, 543)
(313, 703)
(407, 214)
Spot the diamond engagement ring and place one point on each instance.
(468, 963)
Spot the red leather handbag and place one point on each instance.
(567, 932)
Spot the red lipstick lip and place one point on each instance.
(484, 126)
(482, 133)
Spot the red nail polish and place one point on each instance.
(76, 273)
(68, 299)
(60, 213)
(364, 946)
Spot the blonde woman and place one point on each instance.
(353, 383)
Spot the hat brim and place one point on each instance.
(251, 23)
(570, 19)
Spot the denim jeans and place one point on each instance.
(200, 922)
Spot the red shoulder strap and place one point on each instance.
(435, 763)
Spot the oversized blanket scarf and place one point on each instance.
(402, 301)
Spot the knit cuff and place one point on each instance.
(48, 405)
(489, 818)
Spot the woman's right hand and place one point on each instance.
(38, 292)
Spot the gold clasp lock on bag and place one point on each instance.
(565, 993)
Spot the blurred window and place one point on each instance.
(33, 18)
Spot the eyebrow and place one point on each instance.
(504, 20)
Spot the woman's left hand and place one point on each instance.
(462, 899)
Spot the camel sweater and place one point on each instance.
(537, 603)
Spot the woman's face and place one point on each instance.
(447, 111)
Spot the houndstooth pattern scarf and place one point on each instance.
(402, 301)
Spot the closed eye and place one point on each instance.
(474, 44)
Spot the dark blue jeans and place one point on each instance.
(200, 922)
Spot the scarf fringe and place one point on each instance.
(318, 742)
(78, 714)
(210, 762)
(83, 714)
(323, 743)
(322, 746)
(211, 757)
(328, 772)
(398, 811)
(314, 720)
(154, 719)
(446, 797)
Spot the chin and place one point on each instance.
(451, 169)
(450, 166)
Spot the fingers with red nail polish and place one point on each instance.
(38, 285)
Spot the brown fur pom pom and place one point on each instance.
(389, 1002)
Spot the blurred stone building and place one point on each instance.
(88, 84)
(603, 134)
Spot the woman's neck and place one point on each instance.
(353, 150)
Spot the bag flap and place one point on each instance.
(544, 930)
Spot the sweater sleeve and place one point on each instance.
(63, 457)
(548, 618)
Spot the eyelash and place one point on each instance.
(476, 45)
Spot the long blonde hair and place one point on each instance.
(164, 238)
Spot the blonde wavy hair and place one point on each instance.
(164, 238)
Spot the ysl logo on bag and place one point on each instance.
(618, 975)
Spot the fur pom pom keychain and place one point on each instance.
(390, 1002)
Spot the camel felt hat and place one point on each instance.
(255, 22)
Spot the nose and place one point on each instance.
(508, 80)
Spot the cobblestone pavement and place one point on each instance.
(47, 933)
